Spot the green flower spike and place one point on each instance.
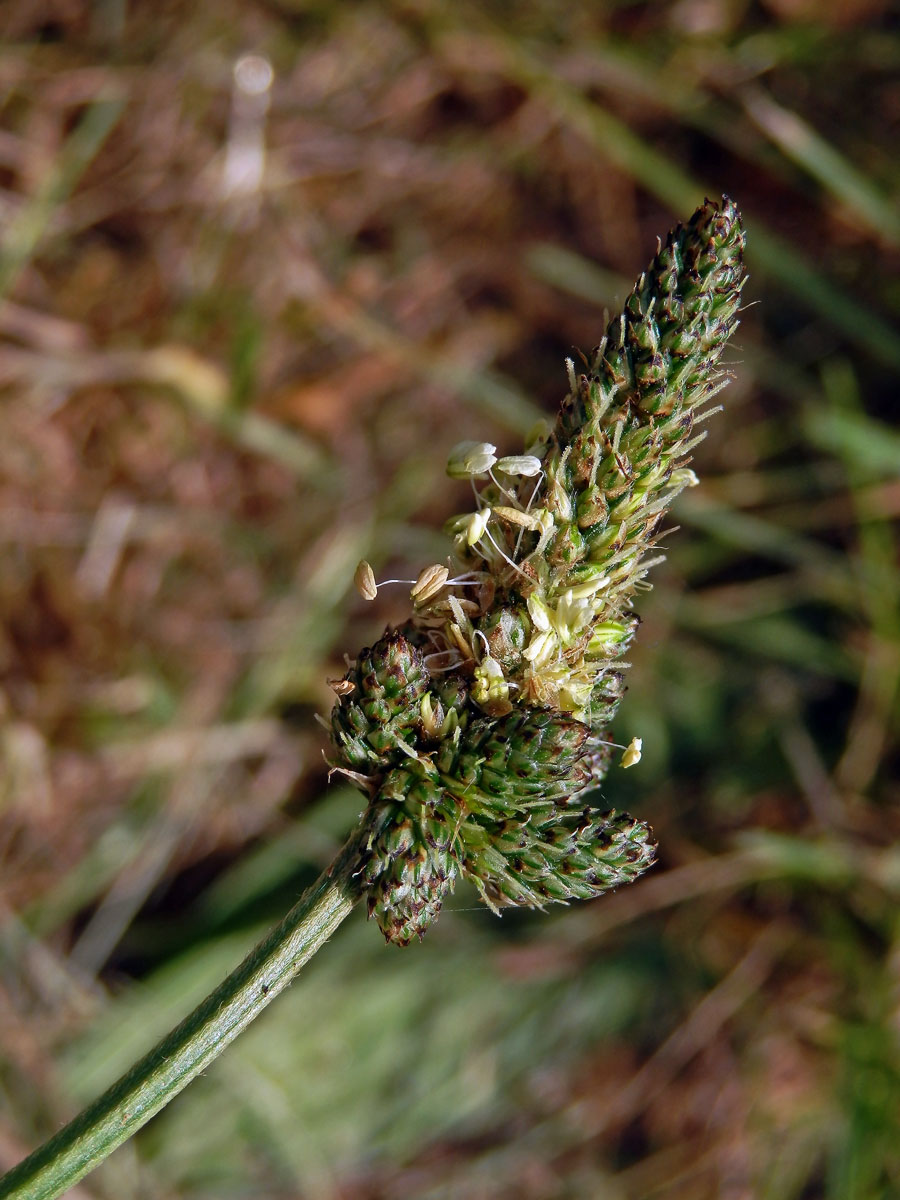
(487, 768)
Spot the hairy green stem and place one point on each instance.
(189, 1049)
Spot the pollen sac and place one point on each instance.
(632, 755)
(490, 689)
(384, 708)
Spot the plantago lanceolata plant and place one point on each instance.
(478, 731)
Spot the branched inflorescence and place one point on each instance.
(478, 730)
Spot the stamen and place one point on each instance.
(505, 556)
(464, 648)
(454, 655)
(534, 492)
(500, 488)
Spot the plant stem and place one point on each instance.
(189, 1049)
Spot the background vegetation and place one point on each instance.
(240, 330)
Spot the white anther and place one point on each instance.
(519, 464)
(584, 591)
(471, 458)
(684, 478)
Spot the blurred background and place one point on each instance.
(263, 263)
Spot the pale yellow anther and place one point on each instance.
(540, 649)
(364, 581)
(584, 591)
(477, 524)
(490, 683)
(462, 644)
(539, 612)
(429, 583)
(632, 755)
(514, 517)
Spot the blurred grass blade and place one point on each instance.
(778, 639)
(24, 232)
(825, 862)
(680, 191)
(845, 313)
(875, 711)
(201, 384)
(577, 275)
(872, 446)
(484, 389)
(836, 174)
(754, 534)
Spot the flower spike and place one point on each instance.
(488, 767)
